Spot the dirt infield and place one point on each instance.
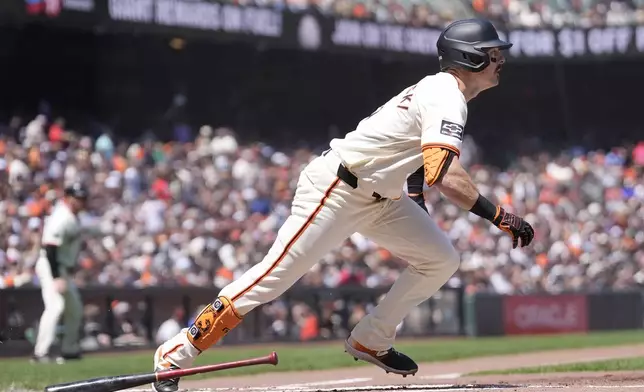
(446, 376)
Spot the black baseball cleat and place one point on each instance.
(391, 361)
(171, 385)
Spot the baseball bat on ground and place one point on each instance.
(118, 383)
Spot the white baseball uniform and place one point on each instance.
(62, 230)
(382, 152)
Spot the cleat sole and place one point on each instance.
(368, 358)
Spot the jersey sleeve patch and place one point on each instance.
(452, 129)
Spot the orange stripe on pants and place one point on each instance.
(289, 245)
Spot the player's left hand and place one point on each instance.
(517, 227)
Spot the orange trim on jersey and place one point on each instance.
(290, 244)
(441, 145)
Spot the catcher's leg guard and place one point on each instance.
(215, 321)
(212, 324)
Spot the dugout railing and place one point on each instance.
(129, 318)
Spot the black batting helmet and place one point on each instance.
(77, 191)
(464, 44)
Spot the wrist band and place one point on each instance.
(484, 208)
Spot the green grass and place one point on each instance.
(20, 373)
(611, 365)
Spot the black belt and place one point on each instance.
(350, 179)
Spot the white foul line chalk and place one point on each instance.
(324, 383)
(446, 376)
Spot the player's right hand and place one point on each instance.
(60, 284)
(515, 226)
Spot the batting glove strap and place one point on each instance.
(515, 226)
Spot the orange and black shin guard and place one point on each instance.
(213, 323)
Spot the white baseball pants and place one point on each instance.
(57, 304)
(325, 211)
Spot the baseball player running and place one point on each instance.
(357, 186)
(61, 242)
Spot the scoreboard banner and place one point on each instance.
(534, 43)
(310, 30)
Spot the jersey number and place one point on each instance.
(408, 94)
(404, 102)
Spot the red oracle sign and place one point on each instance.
(544, 314)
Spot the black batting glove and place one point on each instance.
(515, 226)
(419, 199)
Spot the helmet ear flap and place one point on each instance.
(458, 59)
(473, 58)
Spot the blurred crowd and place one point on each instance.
(203, 212)
(508, 13)
(588, 213)
(561, 13)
